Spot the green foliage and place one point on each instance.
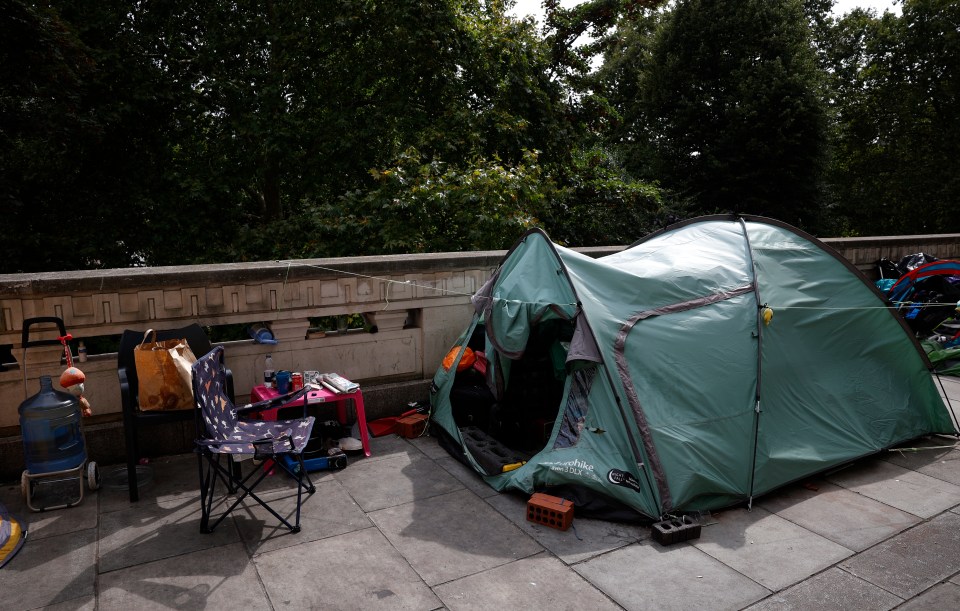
(896, 82)
(601, 204)
(736, 118)
(81, 144)
(190, 132)
(423, 205)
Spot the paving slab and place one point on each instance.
(144, 534)
(845, 517)
(951, 398)
(470, 479)
(912, 492)
(330, 511)
(221, 578)
(951, 385)
(358, 570)
(914, 560)
(587, 538)
(536, 583)
(453, 535)
(942, 596)
(83, 603)
(52, 570)
(934, 457)
(389, 446)
(430, 446)
(772, 551)
(40, 525)
(171, 478)
(832, 590)
(395, 480)
(649, 576)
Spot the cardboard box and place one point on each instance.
(412, 426)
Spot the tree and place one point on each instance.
(82, 113)
(731, 95)
(896, 86)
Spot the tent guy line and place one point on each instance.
(411, 283)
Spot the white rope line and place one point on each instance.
(380, 278)
(880, 307)
(410, 283)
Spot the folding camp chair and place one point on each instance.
(221, 435)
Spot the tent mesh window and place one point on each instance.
(577, 407)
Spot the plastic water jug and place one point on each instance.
(50, 424)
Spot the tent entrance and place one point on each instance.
(509, 425)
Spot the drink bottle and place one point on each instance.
(268, 372)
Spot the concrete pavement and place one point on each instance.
(411, 528)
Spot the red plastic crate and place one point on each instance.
(551, 511)
(412, 426)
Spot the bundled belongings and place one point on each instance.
(712, 362)
(926, 293)
(164, 373)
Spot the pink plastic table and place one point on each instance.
(316, 397)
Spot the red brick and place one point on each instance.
(551, 511)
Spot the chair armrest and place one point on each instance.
(229, 388)
(259, 406)
(126, 398)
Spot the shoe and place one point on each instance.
(349, 444)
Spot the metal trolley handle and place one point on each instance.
(26, 342)
(29, 322)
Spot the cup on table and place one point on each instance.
(283, 382)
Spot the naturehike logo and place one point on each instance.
(623, 478)
(575, 467)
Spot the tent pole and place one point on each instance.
(756, 408)
(642, 464)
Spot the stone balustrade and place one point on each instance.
(419, 305)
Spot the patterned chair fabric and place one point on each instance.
(221, 434)
(226, 433)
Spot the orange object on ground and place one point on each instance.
(412, 426)
(551, 511)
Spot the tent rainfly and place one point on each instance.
(709, 363)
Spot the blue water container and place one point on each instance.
(50, 425)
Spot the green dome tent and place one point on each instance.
(708, 364)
